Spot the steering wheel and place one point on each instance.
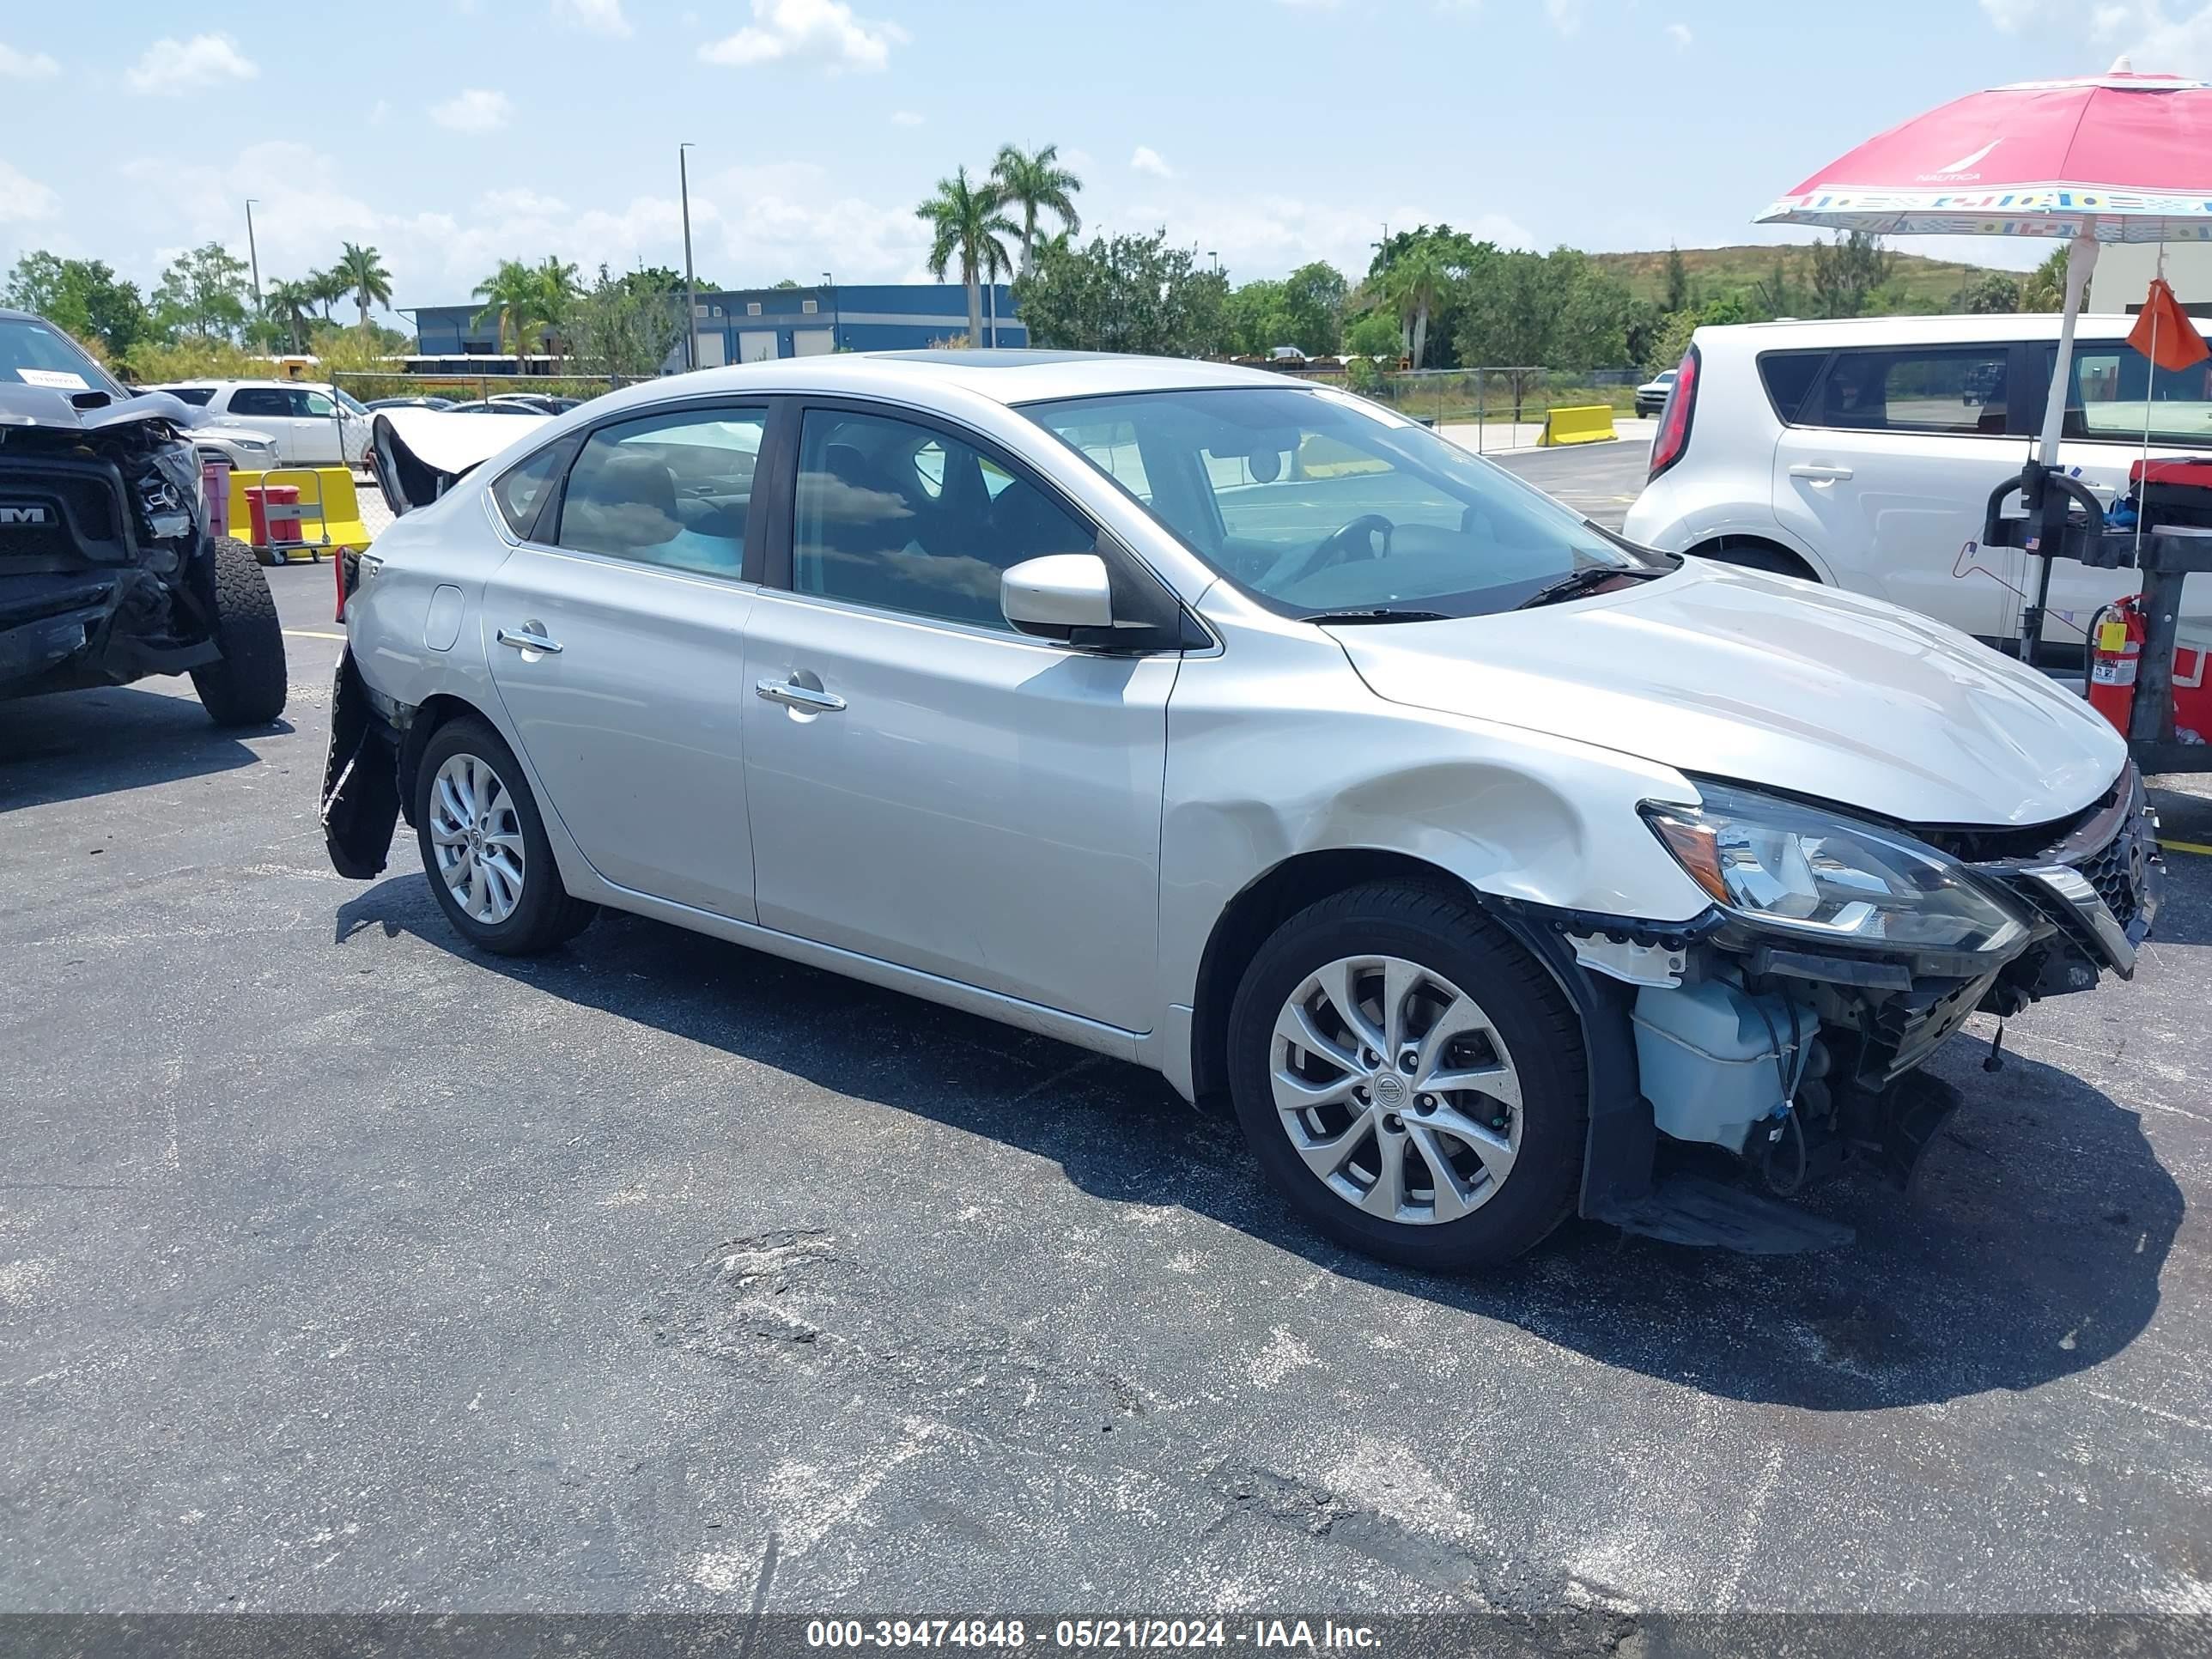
(1338, 547)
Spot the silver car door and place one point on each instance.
(927, 786)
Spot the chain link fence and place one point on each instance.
(370, 387)
(1496, 408)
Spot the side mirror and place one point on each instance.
(1053, 596)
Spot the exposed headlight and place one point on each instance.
(1808, 871)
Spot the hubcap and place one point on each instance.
(1426, 1137)
(478, 837)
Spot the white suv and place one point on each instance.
(312, 425)
(1862, 454)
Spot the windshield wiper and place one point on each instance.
(1581, 581)
(1380, 614)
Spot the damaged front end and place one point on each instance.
(105, 573)
(1787, 1024)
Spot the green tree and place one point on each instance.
(329, 288)
(965, 224)
(1996, 293)
(1412, 285)
(512, 297)
(203, 295)
(1313, 298)
(83, 297)
(366, 278)
(1459, 256)
(1374, 335)
(1038, 184)
(1847, 271)
(2044, 288)
(1257, 319)
(625, 326)
(1678, 281)
(557, 289)
(1674, 339)
(291, 307)
(1131, 293)
(1777, 294)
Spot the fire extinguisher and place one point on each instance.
(2115, 650)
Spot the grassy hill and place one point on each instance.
(1931, 284)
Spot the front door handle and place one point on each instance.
(527, 638)
(805, 697)
(1819, 473)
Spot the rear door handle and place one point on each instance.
(529, 639)
(1819, 473)
(795, 695)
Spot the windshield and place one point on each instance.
(33, 353)
(1316, 502)
(347, 401)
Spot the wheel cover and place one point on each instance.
(1396, 1090)
(477, 833)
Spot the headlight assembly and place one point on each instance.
(1812, 873)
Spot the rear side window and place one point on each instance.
(1788, 376)
(2114, 395)
(520, 491)
(674, 490)
(265, 401)
(1956, 390)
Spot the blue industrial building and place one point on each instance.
(754, 325)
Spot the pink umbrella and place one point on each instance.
(2108, 158)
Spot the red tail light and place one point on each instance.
(1674, 420)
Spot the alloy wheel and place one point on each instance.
(1396, 1090)
(477, 833)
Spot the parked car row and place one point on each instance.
(1246, 731)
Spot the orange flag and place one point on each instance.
(2164, 333)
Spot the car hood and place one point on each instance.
(56, 410)
(1772, 683)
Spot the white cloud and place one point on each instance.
(2161, 43)
(823, 31)
(1681, 35)
(205, 60)
(1148, 160)
(24, 199)
(1566, 15)
(905, 118)
(474, 110)
(596, 16)
(2109, 20)
(26, 65)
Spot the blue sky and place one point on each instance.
(451, 133)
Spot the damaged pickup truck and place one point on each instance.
(1492, 867)
(107, 571)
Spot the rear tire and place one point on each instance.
(495, 881)
(247, 686)
(1514, 1143)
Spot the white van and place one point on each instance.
(1862, 454)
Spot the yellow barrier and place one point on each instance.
(1592, 424)
(330, 511)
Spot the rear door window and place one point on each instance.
(1956, 390)
(265, 403)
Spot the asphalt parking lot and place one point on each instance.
(343, 1268)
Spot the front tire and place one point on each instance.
(484, 848)
(1410, 1079)
(247, 685)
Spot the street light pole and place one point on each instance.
(254, 255)
(829, 282)
(690, 304)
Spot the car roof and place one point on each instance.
(1950, 329)
(1009, 377)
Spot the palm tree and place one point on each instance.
(291, 305)
(365, 279)
(965, 219)
(1412, 282)
(328, 288)
(557, 291)
(513, 297)
(1036, 185)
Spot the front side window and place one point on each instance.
(903, 518)
(1316, 502)
(2115, 394)
(313, 404)
(1960, 391)
(669, 489)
